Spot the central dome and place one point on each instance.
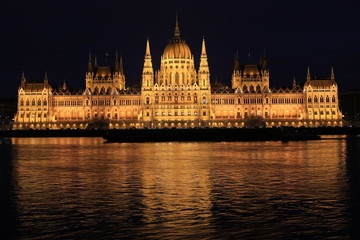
(177, 48)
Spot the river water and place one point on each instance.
(82, 188)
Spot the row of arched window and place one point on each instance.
(327, 99)
(33, 102)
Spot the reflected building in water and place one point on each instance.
(177, 95)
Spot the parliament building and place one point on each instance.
(177, 96)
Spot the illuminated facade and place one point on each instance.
(177, 95)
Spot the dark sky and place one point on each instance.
(56, 36)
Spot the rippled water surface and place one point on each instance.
(81, 188)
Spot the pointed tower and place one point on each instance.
(332, 74)
(294, 83)
(236, 76)
(46, 81)
(23, 80)
(64, 87)
(95, 62)
(119, 77)
(308, 77)
(90, 66)
(263, 62)
(177, 36)
(90, 72)
(204, 72)
(148, 72)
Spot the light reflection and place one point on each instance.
(181, 187)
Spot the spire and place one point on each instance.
(95, 63)
(64, 85)
(203, 48)
(308, 74)
(147, 51)
(46, 81)
(263, 61)
(117, 66)
(121, 68)
(294, 83)
(23, 80)
(332, 73)
(236, 61)
(90, 67)
(177, 36)
(148, 71)
(177, 29)
(204, 73)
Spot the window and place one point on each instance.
(147, 101)
(204, 100)
(27, 103)
(309, 100)
(22, 102)
(333, 98)
(321, 99)
(204, 113)
(327, 99)
(315, 99)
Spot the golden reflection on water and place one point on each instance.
(173, 185)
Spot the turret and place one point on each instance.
(308, 77)
(148, 72)
(46, 81)
(263, 62)
(204, 72)
(23, 80)
(236, 76)
(294, 83)
(64, 87)
(90, 66)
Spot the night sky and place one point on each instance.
(56, 36)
